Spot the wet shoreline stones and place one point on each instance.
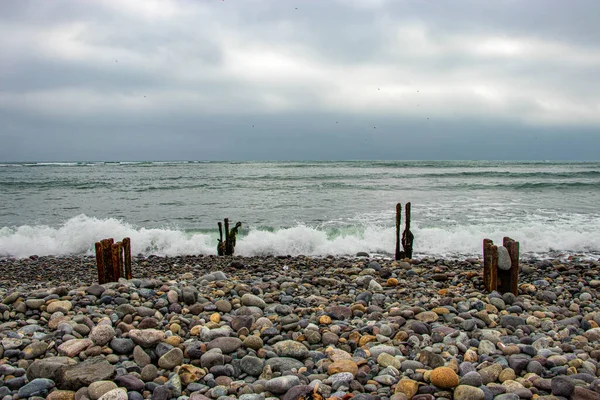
(285, 327)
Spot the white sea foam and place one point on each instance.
(78, 235)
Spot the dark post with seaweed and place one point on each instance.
(407, 236)
(399, 254)
(226, 223)
(227, 247)
(221, 244)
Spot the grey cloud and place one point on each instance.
(188, 79)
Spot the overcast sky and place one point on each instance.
(299, 79)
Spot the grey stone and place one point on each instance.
(472, 378)
(48, 367)
(250, 300)
(83, 374)
(174, 385)
(149, 373)
(226, 344)
(562, 386)
(511, 320)
(130, 382)
(291, 348)
(102, 334)
(37, 387)
(115, 394)
(99, 388)
(171, 358)
(141, 357)
(252, 365)
(465, 392)
(282, 384)
(212, 358)
(282, 364)
(122, 345)
(504, 262)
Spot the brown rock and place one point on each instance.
(444, 377)
(342, 366)
(73, 347)
(408, 387)
(61, 395)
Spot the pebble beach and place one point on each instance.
(255, 328)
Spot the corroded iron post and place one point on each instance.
(127, 257)
(100, 263)
(501, 266)
(113, 260)
(107, 256)
(116, 261)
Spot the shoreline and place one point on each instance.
(254, 328)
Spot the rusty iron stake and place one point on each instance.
(512, 275)
(100, 263)
(487, 265)
(107, 257)
(127, 257)
(116, 253)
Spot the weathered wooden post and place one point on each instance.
(398, 255)
(501, 266)
(127, 257)
(407, 236)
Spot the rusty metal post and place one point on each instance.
(487, 265)
(494, 278)
(100, 263)
(116, 258)
(512, 284)
(398, 254)
(107, 257)
(127, 257)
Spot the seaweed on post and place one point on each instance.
(399, 255)
(221, 243)
(407, 235)
(227, 248)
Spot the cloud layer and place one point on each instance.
(297, 79)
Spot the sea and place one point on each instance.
(307, 208)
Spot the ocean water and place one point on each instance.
(310, 208)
